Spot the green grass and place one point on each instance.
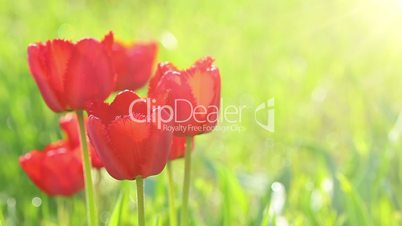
(333, 67)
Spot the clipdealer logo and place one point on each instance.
(268, 107)
(230, 115)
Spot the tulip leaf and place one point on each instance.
(1, 217)
(121, 204)
(358, 214)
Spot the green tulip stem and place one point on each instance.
(186, 182)
(89, 189)
(172, 203)
(140, 200)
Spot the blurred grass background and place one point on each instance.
(334, 68)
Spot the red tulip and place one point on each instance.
(133, 64)
(57, 170)
(194, 95)
(69, 124)
(129, 144)
(70, 75)
(178, 147)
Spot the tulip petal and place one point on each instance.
(143, 149)
(195, 90)
(178, 148)
(156, 79)
(48, 64)
(133, 64)
(69, 124)
(100, 110)
(130, 147)
(59, 54)
(157, 147)
(90, 75)
(64, 172)
(57, 170)
(95, 160)
(99, 137)
(30, 163)
(108, 41)
(202, 81)
(121, 104)
(128, 139)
